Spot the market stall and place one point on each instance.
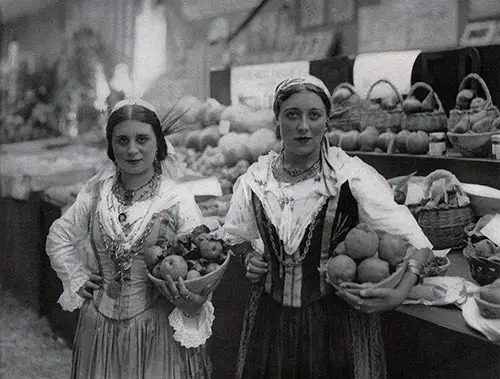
(217, 141)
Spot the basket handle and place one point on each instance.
(400, 99)
(474, 76)
(429, 88)
(345, 85)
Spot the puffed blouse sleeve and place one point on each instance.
(65, 235)
(376, 205)
(240, 224)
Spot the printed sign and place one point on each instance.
(254, 85)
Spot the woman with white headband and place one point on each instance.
(300, 204)
(126, 329)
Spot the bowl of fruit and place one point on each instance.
(198, 258)
(366, 259)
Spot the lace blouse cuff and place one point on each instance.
(69, 299)
(192, 331)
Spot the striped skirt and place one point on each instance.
(325, 339)
(142, 347)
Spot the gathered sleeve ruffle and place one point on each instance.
(376, 205)
(240, 225)
(190, 331)
(65, 236)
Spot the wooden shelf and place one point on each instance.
(468, 170)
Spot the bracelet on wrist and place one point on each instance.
(415, 268)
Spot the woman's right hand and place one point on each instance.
(94, 282)
(256, 268)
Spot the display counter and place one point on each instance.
(26, 170)
(432, 342)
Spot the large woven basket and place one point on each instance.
(457, 114)
(345, 116)
(383, 119)
(444, 227)
(482, 270)
(434, 121)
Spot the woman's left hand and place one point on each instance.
(373, 300)
(187, 301)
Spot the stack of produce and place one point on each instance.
(215, 140)
(474, 119)
(443, 211)
(365, 257)
(482, 253)
(190, 257)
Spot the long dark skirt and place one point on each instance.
(326, 339)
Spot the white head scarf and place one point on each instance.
(168, 165)
(327, 170)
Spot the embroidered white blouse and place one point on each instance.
(292, 207)
(73, 258)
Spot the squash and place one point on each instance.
(367, 139)
(417, 142)
(464, 98)
(349, 140)
(412, 105)
(482, 126)
(400, 142)
(261, 142)
(243, 119)
(234, 146)
(429, 103)
(333, 137)
(212, 112)
(209, 137)
(477, 103)
(386, 140)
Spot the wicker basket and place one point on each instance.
(457, 114)
(444, 227)
(482, 270)
(429, 122)
(383, 119)
(345, 116)
(472, 144)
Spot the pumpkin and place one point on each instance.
(212, 112)
(349, 140)
(401, 141)
(386, 140)
(193, 139)
(333, 137)
(368, 139)
(243, 119)
(209, 137)
(417, 142)
(234, 146)
(190, 108)
(261, 142)
(411, 105)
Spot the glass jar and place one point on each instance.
(437, 143)
(495, 146)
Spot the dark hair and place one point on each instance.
(140, 113)
(283, 96)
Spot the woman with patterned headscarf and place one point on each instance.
(298, 205)
(126, 329)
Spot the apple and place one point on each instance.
(212, 266)
(210, 249)
(192, 274)
(173, 265)
(156, 271)
(152, 256)
(199, 238)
